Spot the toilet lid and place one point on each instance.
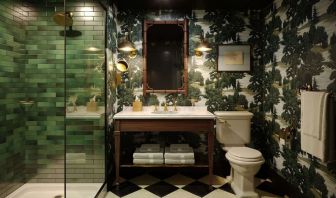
(245, 153)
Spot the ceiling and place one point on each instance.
(192, 4)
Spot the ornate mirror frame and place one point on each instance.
(184, 25)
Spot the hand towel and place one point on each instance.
(313, 105)
(313, 123)
(182, 155)
(146, 155)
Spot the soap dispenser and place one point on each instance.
(137, 104)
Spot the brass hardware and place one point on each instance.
(175, 108)
(165, 107)
(126, 45)
(155, 108)
(122, 65)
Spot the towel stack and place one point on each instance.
(148, 154)
(179, 154)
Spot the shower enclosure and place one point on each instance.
(52, 98)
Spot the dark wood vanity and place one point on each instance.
(201, 122)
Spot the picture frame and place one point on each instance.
(234, 58)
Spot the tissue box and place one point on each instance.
(137, 106)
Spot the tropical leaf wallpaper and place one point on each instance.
(293, 46)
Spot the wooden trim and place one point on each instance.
(168, 125)
(184, 25)
(144, 76)
(185, 56)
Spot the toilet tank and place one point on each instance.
(233, 128)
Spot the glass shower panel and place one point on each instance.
(85, 98)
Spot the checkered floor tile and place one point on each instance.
(171, 184)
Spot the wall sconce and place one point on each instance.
(203, 46)
(126, 45)
(132, 54)
(122, 65)
(198, 54)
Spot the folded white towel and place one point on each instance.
(174, 155)
(150, 148)
(148, 161)
(178, 148)
(313, 123)
(180, 161)
(146, 155)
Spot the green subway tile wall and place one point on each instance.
(12, 123)
(44, 83)
(85, 161)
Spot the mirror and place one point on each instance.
(165, 57)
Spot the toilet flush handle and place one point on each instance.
(222, 121)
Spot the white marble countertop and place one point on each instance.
(183, 112)
(81, 113)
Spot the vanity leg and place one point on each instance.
(210, 156)
(117, 155)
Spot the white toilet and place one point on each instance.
(233, 131)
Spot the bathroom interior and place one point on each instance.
(218, 98)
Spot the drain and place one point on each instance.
(58, 196)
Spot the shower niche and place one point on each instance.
(165, 57)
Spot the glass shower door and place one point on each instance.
(85, 98)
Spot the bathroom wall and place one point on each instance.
(269, 91)
(214, 90)
(12, 119)
(300, 45)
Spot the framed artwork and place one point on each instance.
(234, 58)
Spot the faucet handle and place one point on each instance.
(175, 108)
(165, 107)
(155, 108)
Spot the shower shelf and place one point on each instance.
(81, 113)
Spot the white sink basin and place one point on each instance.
(164, 112)
(183, 112)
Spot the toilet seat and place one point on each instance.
(244, 154)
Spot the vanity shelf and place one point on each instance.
(201, 161)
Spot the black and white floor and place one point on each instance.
(189, 183)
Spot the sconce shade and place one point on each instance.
(122, 65)
(126, 45)
(203, 46)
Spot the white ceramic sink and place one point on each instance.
(165, 112)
